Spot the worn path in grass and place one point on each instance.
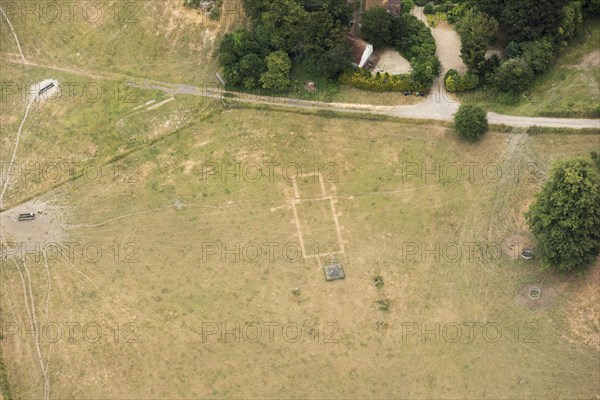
(439, 105)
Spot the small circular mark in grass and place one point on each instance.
(527, 254)
(535, 292)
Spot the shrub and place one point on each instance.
(421, 3)
(444, 8)
(456, 13)
(363, 79)
(277, 76)
(407, 6)
(428, 9)
(450, 84)
(539, 54)
(513, 76)
(470, 121)
(459, 83)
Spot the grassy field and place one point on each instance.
(570, 89)
(180, 249)
(155, 39)
(179, 245)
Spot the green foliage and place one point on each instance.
(410, 36)
(277, 76)
(565, 216)
(450, 84)
(415, 41)
(428, 9)
(424, 70)
(538, 54)
(309, 33)
(591, 6)
(457, 12)
(325, 51)
(571, 23)
(378, 27)
(513, 76)
(477, 30)
(456, 82)
(470, 121)
(407, 5)
(241, 56)
(526, 19)
(363, 79)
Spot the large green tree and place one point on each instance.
(470, 121)
(277, 76)
(241, 56)
(565, 216)
(525, 19)
(377, 27)
(477, 30)
(513, 76)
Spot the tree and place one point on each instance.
(277, 76)
(525, 19)
(477, 30)
(513, 76)
(250, 69)
(571, 23)
(538, 54)
(532, 19)
(470, 121)
(592, 6)
(240, 55)
(325, 50)
(378, 27)
(565, 216)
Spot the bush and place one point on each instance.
(539, 54)
(456, 13)
(444, 8)
(459, 83)
(428, 9)
(407, 6)
(363, 79)
(421, 3)
(277, 76)
(470, 121)
(513, 76)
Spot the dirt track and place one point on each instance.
(439, 105)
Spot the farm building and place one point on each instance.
(392, 6)
(361, 51)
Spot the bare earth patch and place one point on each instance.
(447, 41)
(392, 62)
(448, 47)
(45, 229)
(546, 300)
(591, 60)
